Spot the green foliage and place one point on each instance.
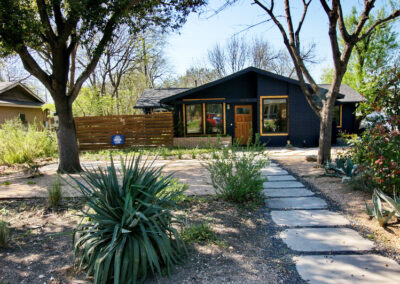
(201, 233)
(6, 182)
(21, 144)
(54, 193)
(377, 151)
(342, 167)
(236, 173)
(372, 53)
(4, 233)
(382, 215)
(130, 230)
(177, 189)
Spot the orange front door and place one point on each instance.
(243, 123)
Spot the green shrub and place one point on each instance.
(20, 144)
(201, 233)
(55, 193)
(129, 231)
(236, 173)
(4, 233)
(177, 189)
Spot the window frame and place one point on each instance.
(203, 105)
(185, 121)
(262, 115)
(340, 122)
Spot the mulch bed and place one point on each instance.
(248, 251)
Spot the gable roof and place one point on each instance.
(6, 86)
(350, 95)
(230, 77)
(152, 97)
(158, 97)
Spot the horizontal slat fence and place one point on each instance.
(147, 130)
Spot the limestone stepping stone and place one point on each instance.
(360, 269)
(297, 203)
(287, 192)
(281, 178)
(325, 239)
(273, 171)
(308, 218)
(282, 184)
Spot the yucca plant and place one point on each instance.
(127, 229)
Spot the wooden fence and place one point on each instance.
(149, 130)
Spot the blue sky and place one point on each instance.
(202, 32)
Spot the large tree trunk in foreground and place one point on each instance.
(325, 129)
(67, 142)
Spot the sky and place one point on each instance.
(201, 32)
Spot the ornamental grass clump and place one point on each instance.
(126, 231)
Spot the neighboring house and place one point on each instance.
(252, 99)
(17, 100)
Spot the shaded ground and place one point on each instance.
(248, 251)
(349, 200)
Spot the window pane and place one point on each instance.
(275, 119)
(336, 115)
(242, 110)
(214, 119)
(194, 124)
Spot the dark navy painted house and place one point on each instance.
(247, 102)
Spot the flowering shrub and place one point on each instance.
(377, 151)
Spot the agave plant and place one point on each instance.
(383, 216)
(341, 168)
(127, 229)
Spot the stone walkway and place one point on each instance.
(327, 249)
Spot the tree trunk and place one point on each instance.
(325, 132)
(67, 142)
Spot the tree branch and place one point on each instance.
(32, 67)
(58, 16)
(44, 17)
(98, 51)
(392, 16)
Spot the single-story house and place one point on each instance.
(250, 101)
(17, 100)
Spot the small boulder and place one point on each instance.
(311, 158)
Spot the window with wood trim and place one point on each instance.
(337, 115)
(204, 119)
(274, 115)
(214, 119)
(194, 119)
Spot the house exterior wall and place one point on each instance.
(303, 122)
(348, 118)
(303, 129)
(7, 113)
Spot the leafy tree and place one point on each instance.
(322, 103)
(45, 35)
(372, 53)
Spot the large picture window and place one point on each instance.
(204, 119)
(274, 118)
(194, 121)
(214, 119)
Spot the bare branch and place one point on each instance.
(392, 16)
